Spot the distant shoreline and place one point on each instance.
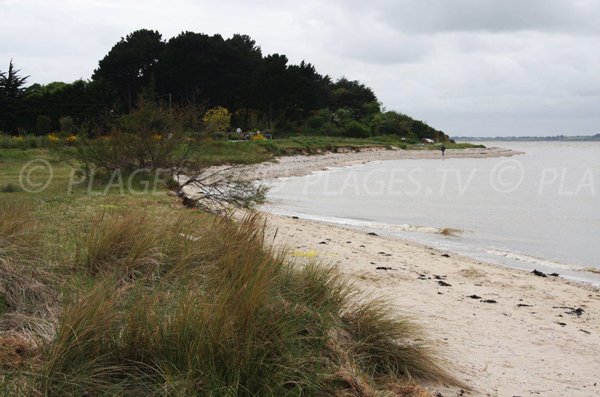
(557, 138)
(301, 165)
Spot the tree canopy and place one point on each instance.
(203, 72)
(12, 91)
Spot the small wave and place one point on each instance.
(374, 225)
(534, 260)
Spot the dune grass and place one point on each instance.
(184, 307)
(136, 295)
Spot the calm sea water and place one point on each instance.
(539, 210)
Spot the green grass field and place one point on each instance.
(225, 152)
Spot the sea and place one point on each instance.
(537, 210)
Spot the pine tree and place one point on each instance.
(12, 91)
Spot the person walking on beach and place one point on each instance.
(443, 149)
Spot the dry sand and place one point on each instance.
(304, 165)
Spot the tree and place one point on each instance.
(129, 66)
(84, 101)
(361, 100)
(188, 68)
(217, 120)
(306, 90)
(12, 85)
(196, 72)
(272, 84)
(67, 126)
(151, 137)
(12, 91)
(43, 125)
(239, 65)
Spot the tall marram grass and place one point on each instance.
(195, 307)
(18, 231)
(192, 307)
(28, 299)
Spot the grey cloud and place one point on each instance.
(434, 16)
(465, 66)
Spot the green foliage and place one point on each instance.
(356, 97)
(355, 129)
(85, 102)
(217, 120)
(150, 137)
(43, 125)
(67, 125)
(129, 66)
(12, 91)
(210, 72)
(23, 142)
(12, 86)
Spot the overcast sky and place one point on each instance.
(468, 67)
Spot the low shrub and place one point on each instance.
(9, 188)
(23, 142)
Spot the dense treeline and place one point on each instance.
(197, 71)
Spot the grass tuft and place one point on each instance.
(128, 243)
(385, 345)
(27, 297)
(18, 231)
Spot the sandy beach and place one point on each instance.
(503, 331)
(303, 165)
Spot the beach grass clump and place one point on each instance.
(19, 235)
(389, 346)
(217, 322)
(28, 298)
(128, 243)
(27, 294)
(212, 310)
